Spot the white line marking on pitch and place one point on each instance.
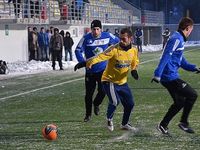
(35, 90)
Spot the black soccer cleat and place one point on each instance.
(185, 127)
(162, 129)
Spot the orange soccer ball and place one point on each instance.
(50, 132)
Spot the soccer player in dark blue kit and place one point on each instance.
(91, 45)
(183, 95)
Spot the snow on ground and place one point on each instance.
(32, 67)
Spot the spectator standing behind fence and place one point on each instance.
(68, 43)
(165, 35)
(34, 8)
(43, 41)
(63, 8)
(138, 38)
(77, 9)
(16, 4)
(57, 46)
(33, 44)
(26, 9)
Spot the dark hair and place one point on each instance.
(184, 23)
(126, 30)
(96, 23)
(34, 28)
(62, 33)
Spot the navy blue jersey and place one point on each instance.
(91, 46)
(172, 59)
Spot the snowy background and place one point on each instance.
(32, 67)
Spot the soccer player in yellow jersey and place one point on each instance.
(121, 57)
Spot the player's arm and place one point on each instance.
(134, 65)
(106, 55)
(187, 66)
(79, 50)
(79, 54)
(113, 39)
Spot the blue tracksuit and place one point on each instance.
(172, 59)
(91, 47)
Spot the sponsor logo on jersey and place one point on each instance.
(98, 42)
(97, 50)
(122, 64)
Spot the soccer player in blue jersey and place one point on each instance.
(183, 95)
(89, 46)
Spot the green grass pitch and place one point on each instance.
(29, 102)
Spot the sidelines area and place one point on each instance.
(47, 87)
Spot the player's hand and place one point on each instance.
(134, 74)
(79, 65)
(197, 70)
(155, 79)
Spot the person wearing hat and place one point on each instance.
(91, 45)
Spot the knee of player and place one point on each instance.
(131, 105)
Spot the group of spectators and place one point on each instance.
(48, 44)
(33, 8)
(74, 7)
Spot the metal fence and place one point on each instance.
(65, 11)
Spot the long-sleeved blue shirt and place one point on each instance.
(90, 46)
(172, 59)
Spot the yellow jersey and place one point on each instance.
(119, 63)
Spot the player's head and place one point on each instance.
(186, 26)
(126, 36)
(96, 28)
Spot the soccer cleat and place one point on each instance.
(110, 125)
(96, 110)
(128, 127)
(185, 127)
(162, 129)
(87, 118)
